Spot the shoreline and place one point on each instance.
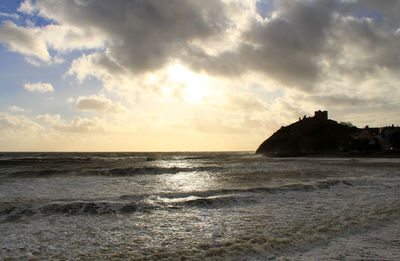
(334, 155)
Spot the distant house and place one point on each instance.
(389, 131)
(364, 135)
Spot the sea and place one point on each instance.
(197, 206)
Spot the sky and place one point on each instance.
(189, 75)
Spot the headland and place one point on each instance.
(320, 136)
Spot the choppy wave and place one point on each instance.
(131, 171)
(15, 212)
(126, 204)
(224, 201)
(39, 173)
(124, 171)
(41, 160)
(311, 186)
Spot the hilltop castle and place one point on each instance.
(321, 115)
(318, 115)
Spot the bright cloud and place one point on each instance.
(99, 104)
(15, 16)
(24, 40)
(18, 124)
(16, 109)
(39, 87)
(80, 125)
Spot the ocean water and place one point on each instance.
(198, 206)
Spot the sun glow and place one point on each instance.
(193, 86)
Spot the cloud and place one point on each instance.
(235, 101)
(27, 7)
(306, 44)
(16, 109)
(76, 125)
(81, 125)
(356, 38)
(286, 47)
(23, 40)
(298, 45)
(33, 61)
(217, 126)
(95, 64)
(15, 16)
(65, 38)
(53, 119)
(385, 10)
(38, 87)
(244, 125)
(98, 104)
(339, 100)
(18, 124)
(243, 102)
(143, 35)
(35, 42)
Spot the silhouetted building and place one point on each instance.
(321, 115)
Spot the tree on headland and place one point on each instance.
(347, 123)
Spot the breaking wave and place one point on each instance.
(41, 160)
(127, 171)
(126, 204)
(312, 186)
(131, 171)
(15, 212)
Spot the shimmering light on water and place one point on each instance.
(192, 181)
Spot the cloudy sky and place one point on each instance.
(172, 75)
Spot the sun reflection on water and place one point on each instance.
(188, 178)
(190, 181)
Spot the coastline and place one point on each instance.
(335, 155)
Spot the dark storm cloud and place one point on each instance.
(337, 100)
(375, 45)
(306, 42)
(286, 48)
(387, 10)
(142, 34)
